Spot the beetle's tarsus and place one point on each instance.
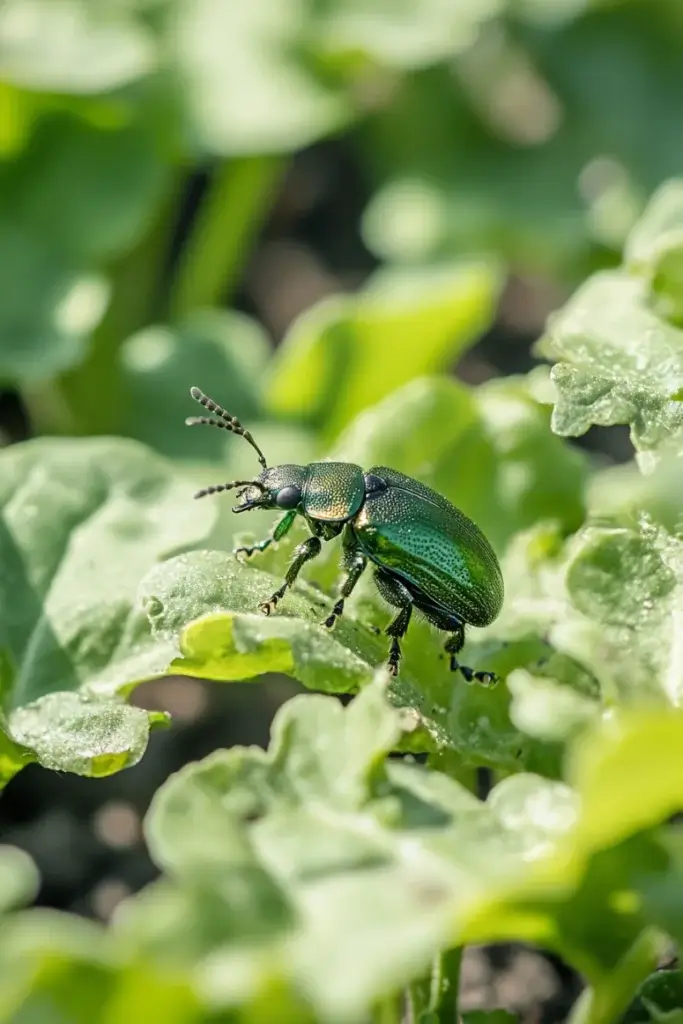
(470, 676)
(336, 612)
(394, 657)
(486, 678)
(467, 673)
(271, 604)
(250, 549)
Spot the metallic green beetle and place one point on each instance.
(427, 554)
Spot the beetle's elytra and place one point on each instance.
(426, 554)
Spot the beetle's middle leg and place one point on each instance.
(354, 563)
(304, 552)
(393, 591)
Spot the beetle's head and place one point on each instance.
(275, 487)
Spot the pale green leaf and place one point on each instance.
(404, 34)
(72, 46)
(207, 604)
(618, 362)
(57, 967)
(81, 523)
(654, 248)
(160, 364)
(348, 352)
(343, 874)
(18, 878)
(247, 90)
(74, 196)
(89, 193)
(48, 307)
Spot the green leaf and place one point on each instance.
(659, 999)
(160, 363)
(248, 89)
(207, 603)
(72, 46)
(544, 190)
(619, 358)
(48, 307)
(654, 248)
(348, 352)
(497, 1016)
(607, 603)
(621, 494)
(57, 967)
(338, 831)
(81, 523)
(89, 192)
(618, 363)
(626, 583)
(75, 196)
(209, 600)
(18, 878)
(343, 873)
(404, 35)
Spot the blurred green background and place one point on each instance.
(299, 206)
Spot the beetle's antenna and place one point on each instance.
(225, 421)
(219, 488)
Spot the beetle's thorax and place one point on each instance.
(334, 491)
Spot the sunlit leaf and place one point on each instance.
(88, 193)
(72, 46)
(404, 34)
(343, 873)
(48, 307)
(246, 90)
(655, 247)
(617, 362)
(348, 352)
(18, 877)
(81, 522)
(228, 352)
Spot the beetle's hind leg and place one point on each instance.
(354, 563)
(453, 646)
(393, 591)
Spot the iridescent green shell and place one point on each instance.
(419, 536)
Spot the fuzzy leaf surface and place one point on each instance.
(80, 523)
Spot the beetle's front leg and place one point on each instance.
(304, 552)
(282, 527)
(354, 565)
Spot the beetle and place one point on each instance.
(426, 554)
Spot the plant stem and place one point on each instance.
(607, 1000)
(435, 997)
(229, 216)
(447, 1010)
(389, 1010)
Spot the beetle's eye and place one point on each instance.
(288, 497)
